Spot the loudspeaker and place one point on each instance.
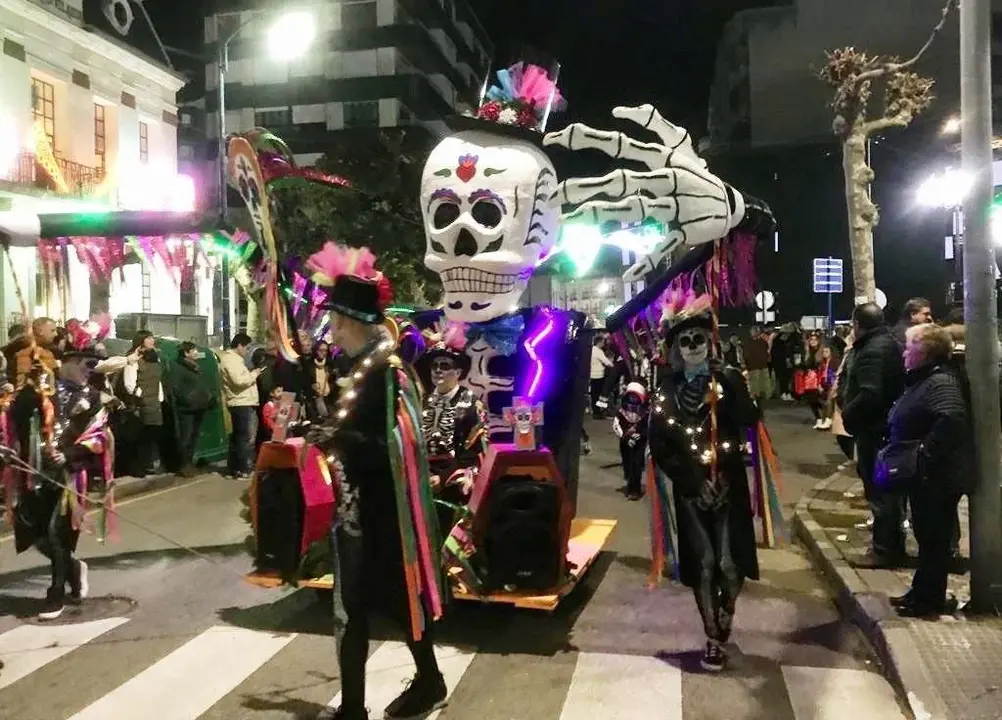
(522, 542)
(280, 512)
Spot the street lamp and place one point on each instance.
(289, 37)
(951, 126)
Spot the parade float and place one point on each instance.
(491, 203)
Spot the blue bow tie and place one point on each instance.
(698, 371)
(502, 334)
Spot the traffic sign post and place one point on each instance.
(765, 301)
(828, 279)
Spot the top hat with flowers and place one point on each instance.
(683, 310)
(517, 103)
(448, 341)
(354, 287)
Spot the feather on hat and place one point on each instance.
(683, 309)
(355, 287)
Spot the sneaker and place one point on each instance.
(329, 713)
(826, 424)
(586, 448)
(420, 698)
(817, 425)
(865, 525)
(714, 657)
(51, 610)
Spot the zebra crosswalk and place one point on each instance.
(54, 671)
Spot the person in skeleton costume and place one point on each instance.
(385, 535)
(700, 416)
(491, 211)
(630, 426)
(60, 432)
(453, 422)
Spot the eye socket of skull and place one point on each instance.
(487, 213)
(446, 213)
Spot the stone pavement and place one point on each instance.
(946, 669)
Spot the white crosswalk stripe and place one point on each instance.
(27, 648)
(193, 678)
(227, 671)
(602, 680)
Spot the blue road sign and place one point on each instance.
(827, 275)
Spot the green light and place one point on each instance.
(581, 243)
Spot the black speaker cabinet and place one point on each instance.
(522, 543)
(280, 510)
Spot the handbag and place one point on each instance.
(898, 464)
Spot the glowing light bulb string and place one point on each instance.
(712, 278)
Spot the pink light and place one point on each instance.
(530, 347)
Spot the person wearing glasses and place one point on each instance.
(454, 426)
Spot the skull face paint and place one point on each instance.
(490, 213)
(693, 346)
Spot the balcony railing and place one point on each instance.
(81, 180)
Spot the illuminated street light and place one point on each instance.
(951, 126)
(291, 35)
(946, 189)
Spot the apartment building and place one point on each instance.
(373, 63)
(88, 124)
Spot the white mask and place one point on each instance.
(490, 211)
(693, 346)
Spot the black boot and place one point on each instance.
(424, 694)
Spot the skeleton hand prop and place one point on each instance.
(677, 190)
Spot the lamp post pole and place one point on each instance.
(222, 61)
(980, 311)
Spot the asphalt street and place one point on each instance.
(171, 634)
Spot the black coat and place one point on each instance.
(671, 448)
(933, 410)
(360, 443)
(874, 380)
(188, 388)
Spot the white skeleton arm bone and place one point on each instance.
(678, 191)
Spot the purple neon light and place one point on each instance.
(530, 347)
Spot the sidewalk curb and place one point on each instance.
(128, 487)
(871, 612)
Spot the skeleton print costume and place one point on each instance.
(699, 420)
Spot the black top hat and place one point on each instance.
(356, 298)
(517, 103)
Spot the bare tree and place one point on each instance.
(853, 75)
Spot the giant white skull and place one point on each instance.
(490, 213)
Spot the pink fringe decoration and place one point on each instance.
(334, 260)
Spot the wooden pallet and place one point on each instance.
(588, 537)
(271, 579)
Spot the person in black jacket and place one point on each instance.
(385, 538)
(192, 399)
(696, 441)
(934, 412)
(873, 382)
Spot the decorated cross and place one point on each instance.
(523, 419)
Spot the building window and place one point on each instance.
(144, 143)
(100, 135)
(278, 118)
(361, 114)
(43, 101)
(359, 15)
